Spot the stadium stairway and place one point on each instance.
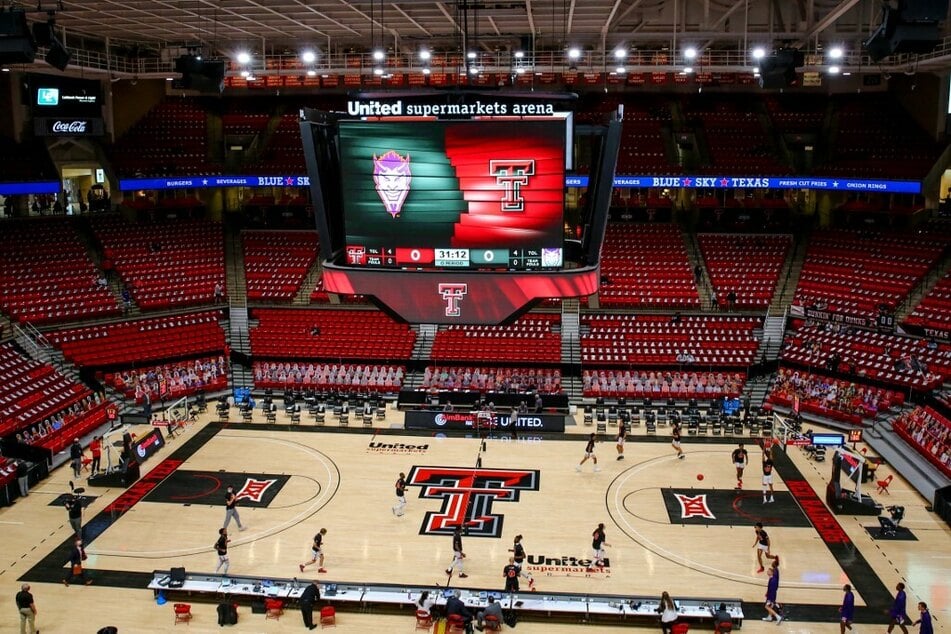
(696, 259)
(931, 280)
(236, 330)
(94, 249)
(423, 347)
(570, 331)
(310, 283)
(904, 459)
(771, 341)
(756, 389)
(789, 277)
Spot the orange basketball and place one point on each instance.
(700, 476)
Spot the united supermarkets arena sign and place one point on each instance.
(475, 108)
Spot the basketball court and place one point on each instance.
(667, 528)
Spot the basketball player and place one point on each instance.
(898, 614)
(847, 611)
(597, 547)
(767, 476)
(772, 590)
(317, 549)
(518, 559)
(761, 544)
(400, 495)
(589, 453)
(231, 509)
(222, 547)
(675, 443)
(621, 437)
(741, 458)
(511, 573)
(458, 556)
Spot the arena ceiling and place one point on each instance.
(725, 29)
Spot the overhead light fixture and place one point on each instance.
(620, 70)
(519, 71)
(620, 53)
(5, 69)
(166, 79)
(243, 57)
(473, 70)
(424, 54)
(756, 72)
(690, 53)
(308, 57)
(377, 71)
(198, 57)
(688, 70)
(379, 55)
(245, 73)
(471, 55)
(836, 52)
(426, 71)
(519, 54)
(834, 70)
(312, 73)
(759, 52)
(574, 52)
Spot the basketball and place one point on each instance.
(700, 476)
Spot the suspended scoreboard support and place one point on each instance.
(450, 207)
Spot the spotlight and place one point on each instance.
(379, 55)
(308, 57)
(426, 71)
(690, 53)
(759, 52)
(620, 70)
(574, 53)
(473, 70)
(836, 52)
(688, 70)
(756, 72)
(243, 57)
(834, 70)
(377, 71)
(519, 54)
(424, 55)
(312, 73)
(620, 53)
(471, 55)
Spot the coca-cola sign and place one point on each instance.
(55, 126)
(70, 127)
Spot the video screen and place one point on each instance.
(454, 194)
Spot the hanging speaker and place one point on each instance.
(16, 41)
(57, 56)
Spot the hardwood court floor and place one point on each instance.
(339, 482)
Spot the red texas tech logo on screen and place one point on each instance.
(453, 294)
(512, 175)
(467, 496)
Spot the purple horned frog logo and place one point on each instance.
(392, 178)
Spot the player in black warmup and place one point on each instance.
(511, 572)
(767, 476)
(589, 453)
(519, 559)
(741, 458)
(597, 547)
(317, 550)
(675, 443)
(398, 509)
(458, 557)
(621, 437)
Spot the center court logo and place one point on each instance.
(467, 497)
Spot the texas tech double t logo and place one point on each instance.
(467, 496)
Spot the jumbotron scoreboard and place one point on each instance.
(458, 219)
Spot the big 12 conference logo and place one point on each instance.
(453, 294)
(467, 496)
